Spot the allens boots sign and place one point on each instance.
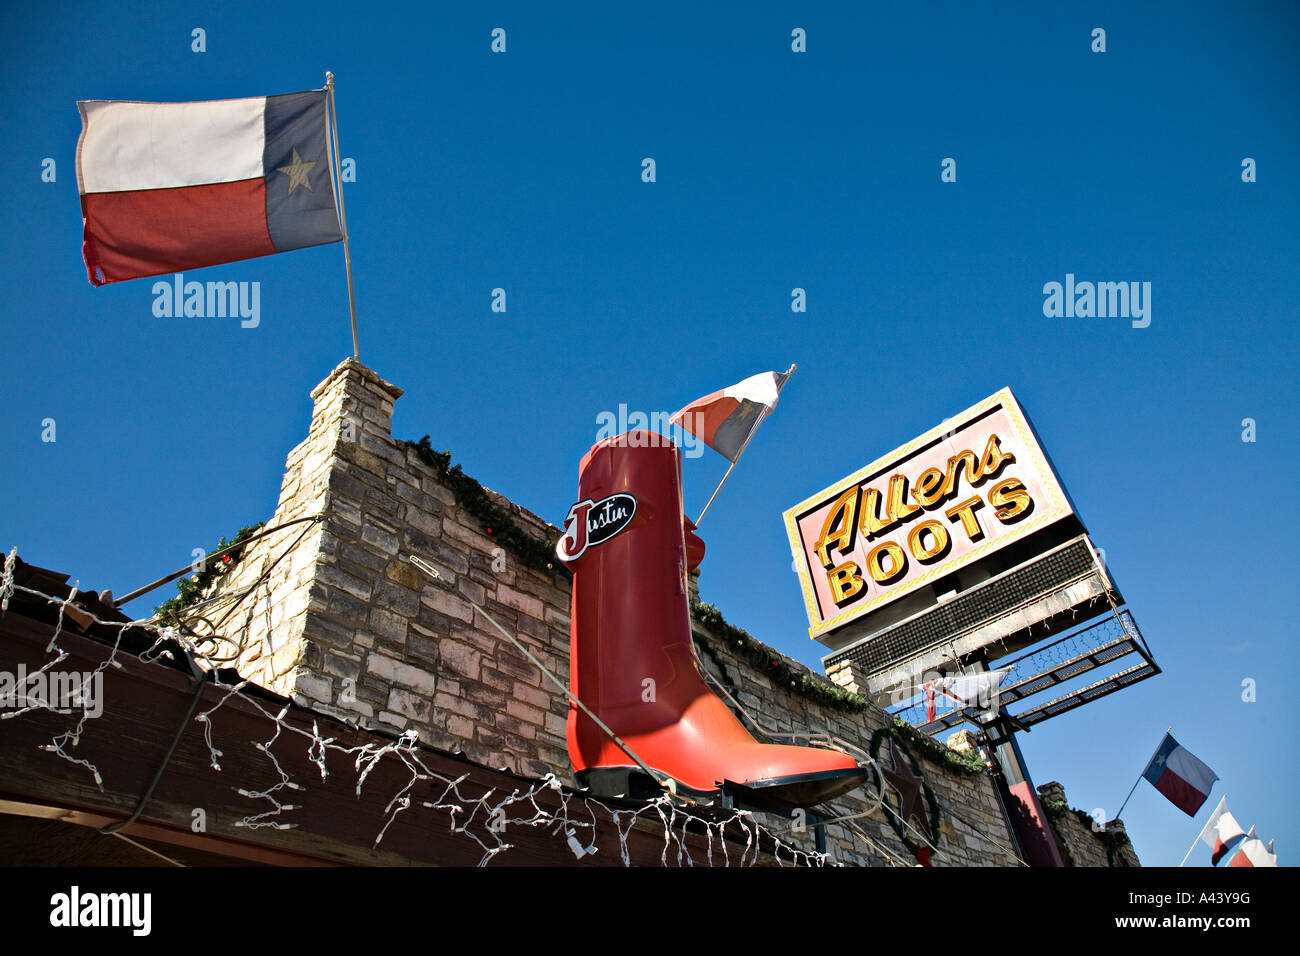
(958, 493)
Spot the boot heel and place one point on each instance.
(632, 783)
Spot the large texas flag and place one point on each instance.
(167, 187)
(1182, 778)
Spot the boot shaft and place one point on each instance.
(630, 616)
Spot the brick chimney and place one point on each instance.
(344, 623)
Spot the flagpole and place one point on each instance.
(1143, 774)
(726, 476)
(343, 216)
(1130, 793)
(1189, 852)
(748, 438)
(1223, 802)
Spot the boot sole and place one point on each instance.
(783, 794)
(633, 783)
(780, 794)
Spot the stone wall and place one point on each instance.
(341, 620)
(1084, 842)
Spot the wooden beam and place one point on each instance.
(160, 834)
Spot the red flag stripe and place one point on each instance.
(704, 417)
(152, 232)
(1221, 849)
(1180, 793)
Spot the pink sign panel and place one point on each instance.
(961, 491)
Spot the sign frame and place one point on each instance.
(1030, 458)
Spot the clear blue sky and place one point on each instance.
(775, 170)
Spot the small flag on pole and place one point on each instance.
(967, 689)
(1222, 832)
(1253, 852)
(725, 420)
(167, 187)
(1183, 779)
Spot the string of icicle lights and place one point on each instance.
(486, 820)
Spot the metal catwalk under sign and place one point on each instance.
(1053, 665)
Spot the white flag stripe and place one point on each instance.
(971, 687)
(1228, 827)
(1192, 770)
(1209, 832)
(126, 146)
(1257, 853)
(760, 388)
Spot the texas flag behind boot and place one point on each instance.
(631, 658)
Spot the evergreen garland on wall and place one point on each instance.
(777, 668)
(969, 763)
(497, 523)
(190, 589)
(1113, 840)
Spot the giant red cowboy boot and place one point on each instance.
(631, 659)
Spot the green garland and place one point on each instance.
(190, 589)
(1055, 811)
(499, 525)
(1113, 840)
(970, 763)
(769, 662)
(931, 800)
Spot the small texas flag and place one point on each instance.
(1222, 832)
(1253, 852)
(724, 420)
(1182, 778)
(167, 187)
